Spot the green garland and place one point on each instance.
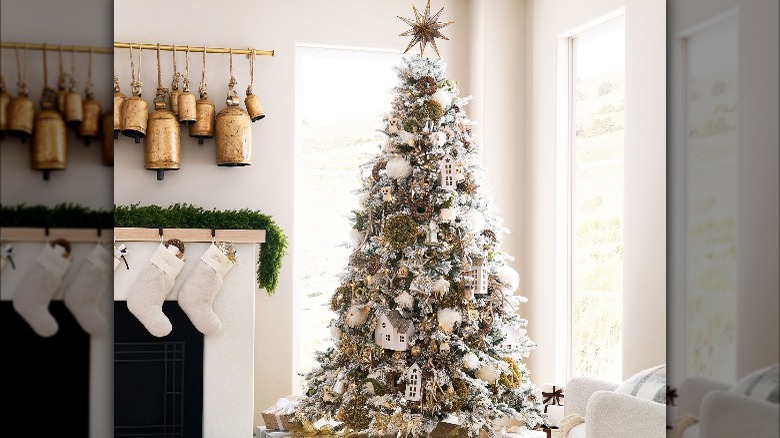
(190, 216)
(60, 216)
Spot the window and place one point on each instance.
(595, 201)
(341, 96)
(402, 338)
(387, 338)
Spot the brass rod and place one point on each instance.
(55, 47)
(193, 49)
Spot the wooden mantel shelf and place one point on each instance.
(91, 235)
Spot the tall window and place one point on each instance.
(341, 97)
(596, 173)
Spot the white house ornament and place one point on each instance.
(413, 390)
(447, 176)
(433, 233)
(393, 331)
(475, 280)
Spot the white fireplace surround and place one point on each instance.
(228, 356)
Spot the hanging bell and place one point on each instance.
(49, 145)
(204, 119)
(186, 100)
(135, 110)
(253, 106)
(5, 98)
(188, 107)
(234, 135)
(174, 93)
(119, 101)
(21, 116)
(90, 125)
(162, 145)
(62, 91)
(204, 110)
(74, 106)
(108, 139)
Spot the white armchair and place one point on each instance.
(722, 414)
(608, 414)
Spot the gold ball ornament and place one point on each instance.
(400, 231)
(416, 350)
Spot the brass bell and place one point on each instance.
(49, 145)
(21, 109)
(174, 92)
(21, 116)
(204, 120)
(90, 126)
(253, 106)
(74, 110)
(186, 100)
(62, 86)
(204, 110)
(252, 102)
(108, 139)
(119, 101)
(234, 133)
(135, 110)
(4, 99)
(162, 145)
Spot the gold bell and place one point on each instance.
(162, 145)
(74, 107)
(135, 110)
(253, 106)
(90, 125)
(204, 119)
(4, 99)
(204, 110)
(108, 139)
(186, 100)
(49, 145)
(119, 101)
(234, 135)
(21, 116)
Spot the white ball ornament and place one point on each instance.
(471, 361)
(475, 220)
(398, 168)
(509, 278)
(444, 97)
(447, 319)
(489, 373)
(405, 300)
(357, 315)
(441, 286)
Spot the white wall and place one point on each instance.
(645, 233)
(757, 238)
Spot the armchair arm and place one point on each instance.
(724, 414)
(579, 390)
(612, 415)
(692, 392)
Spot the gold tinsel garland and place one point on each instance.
(514, 378)
(400, 231)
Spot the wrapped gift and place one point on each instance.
(449, 430)
(552, 395)
(264, 432)
(554, 414)
(281, 416)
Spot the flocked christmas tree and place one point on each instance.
(427, 323)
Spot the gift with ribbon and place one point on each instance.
(552, 395)
(281, 416)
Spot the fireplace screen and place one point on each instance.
(158, 382)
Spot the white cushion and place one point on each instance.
(691, 432)
(649, 384)
(577, 431)
(763, 384)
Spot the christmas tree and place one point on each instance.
(427, 323)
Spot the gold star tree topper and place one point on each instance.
(425, 29)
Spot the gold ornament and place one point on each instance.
(74, 110)
(205, 110)
(174, 93)
(400, 231)
(416, 350)
(425, 29)
(92, 112)
(353, 412)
